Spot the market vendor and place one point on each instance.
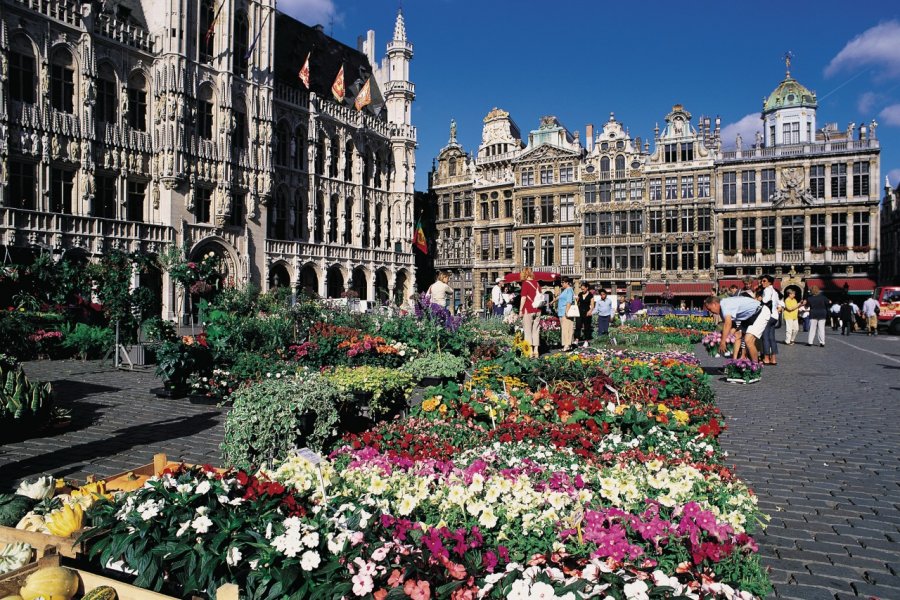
(752, 315)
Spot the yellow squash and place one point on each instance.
(65, 521)
(51, 583)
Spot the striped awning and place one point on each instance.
(679, 289)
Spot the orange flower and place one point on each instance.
(187, 340)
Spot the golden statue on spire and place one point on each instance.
(788, 56)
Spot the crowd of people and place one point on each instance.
(754, 314)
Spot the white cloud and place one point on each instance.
(867, 102)
(876, 47)
(311, 12)
(747, 127)
(894, 177)
(891, 115)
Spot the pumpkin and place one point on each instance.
(14, 556)
(51, 583)
(13, 507)
(104, 592)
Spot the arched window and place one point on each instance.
(348, 161)
(367, 167)
(137, 102)
(604, 165)
(319, 216)
(239, 135)
(278, 217)
(378, 167)
(333, 220)
(366, 228)
(205, 112)
(335, 153)
(302, 206)
(299, 149)
(377, 236)
(22, 70)
(205, 31)
(620, 166)
(107, 103)
(282, 145)
(320, 155)
(241, 44)
(62, 80)
(348, 220)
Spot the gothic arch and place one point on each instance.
(336, 276)
(308, 280)
(382, 285)
(280, 275)
(229, 255)
(360, 282)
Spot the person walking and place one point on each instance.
(846, 318)
(564, 302)
(752, 315)
(497, 298)
(531, 314)
(770, 300)
(818, 315)
(803, 314)
(440, 291)
(603, 308)
(791, 317)
(835, 314)
(870, 311)
(584, 330)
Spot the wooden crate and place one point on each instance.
(68, 547)
(137, 477)
(12, 582)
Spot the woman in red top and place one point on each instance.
(531, 316)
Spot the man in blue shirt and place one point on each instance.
(603, 308)
(749, 313)
(564, 301)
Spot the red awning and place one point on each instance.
(679, 289)
(854, 284)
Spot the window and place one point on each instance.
(239, 134)
(768, 233)
(604, 167)
(620, 223)
(671, 220)
(546, 174)
(656, 221)
(236, 219)
(22, 73)
(348, 156)
(566, 208)
(528, 252)
(376, 234)
(105, 197)
(282, 147)
(590, 193)
(704, 219)
(485, 215)
(61, 191)
(22, 184)
(838, 229)
(457, 206)
(656, 257)
(620, 166)
(604, 258)
(495, 244)
(348, 220)
(817, 230)
(635, 222)
(485, 245)
(817, 181)
(635, 189)
(619, 191)
(333, 158)
(567, 250)
(767, 184)
(546, 209)
(508, 238)
(467, 207)
(591, 259)
(495, 209)
(792, 232)
(636, 258)
(748, 231)
(107, 98)
(861, 227)
(860, 179)
(704, 256)
(656, 189)
(137, 105)
(672, 257)
(687, 220)
(687, 257)
(205, 121)
(446, 207)
(62, 81)
(566, 173)
(620, 258)
(508, 208)
(729, 234)
(605, 191)
(729, 188)
(527, 176)
(703, 186)
(687, 152)
(204, 38)
(241, 44)
(320, 161)
(605, 224)
(671, 188)
(748, 187)
(791, 133)
(319, 215)
(451, 167)
(528, 210)
(671, 153)
(838, 180)
(590, 224)
(135, 201)
(687, 187)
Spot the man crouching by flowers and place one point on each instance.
(744, 314)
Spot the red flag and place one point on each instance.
(212, 26)
(364, 97)
(419, 240)
(337, 88)
(304, 72)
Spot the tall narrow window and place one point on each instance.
(792, 232)
(817, 231)
(687, 187)
(590, 193)
(671, 188)
(548, 256)
(672, 251)
(62, 81)
(205, 113)
(106, 107)
(508, 208)
(567, 249)
(547, 209)
(703, 186)
(527, 176)
(656, 221)
(282, 145)
(334, 216)
(671, 220)
(278, 217)
(528, 252)
(241, 44)
(566, 208)
(239, 135)
(61, 190)
(204, 41)
(838, 230)
(656, 189)
(319, 216)
(748, 232)
(656, 262)
(636, 258)
(704, 256)
(817, 181)
(135, 201)
(22, 184)
(768, 233)
(767, 184)
(860, 179)
(604, 258)
(704, 219)
(861, 228)
(236, 219)
(605, 191)
(729, 188)
(22, 71)
(348, 220)
(605, 224)
(839, 180)
(485, 211)
(729, 234)
(528, 210)
(635, 222)
(687, 220)
(376, 236)
(546, 174)
(620, 166)
(137, 104)
(105, 197)
(590, 224)
(748, 187)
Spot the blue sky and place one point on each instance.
(582, 60)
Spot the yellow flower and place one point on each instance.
(681, 417)
(662, 409)
(442, 409)
(430, 404)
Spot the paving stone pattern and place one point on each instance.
(117, 424)
(818, 440)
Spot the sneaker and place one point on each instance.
(810, 345)
(821, 345)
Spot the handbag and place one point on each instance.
(539, 299)
(573, 312)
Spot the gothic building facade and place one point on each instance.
(142, 126)
(675, 221)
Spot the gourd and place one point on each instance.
(51, 583)
(13, 507)
(65, 521)
(14, 556)
(104, 592)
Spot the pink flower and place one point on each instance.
(362, 584)
(417, 590)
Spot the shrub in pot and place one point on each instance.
(435, 367)
(381, 389)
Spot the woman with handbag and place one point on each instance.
(567, 311)
(532, 300)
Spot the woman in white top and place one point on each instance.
(440, 292)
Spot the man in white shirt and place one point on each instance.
(497, 298)
(835, 316)
(870, 311)
(752, 315)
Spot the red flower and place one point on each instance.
(711, 429)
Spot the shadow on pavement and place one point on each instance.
(68, 390)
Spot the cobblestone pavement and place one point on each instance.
(818, 439)
(117, 424)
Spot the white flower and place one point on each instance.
(542, 591)
(233, 556)
(184, 488)
(150, 509)
(310, 540)
(183, 528)
(488, 519)
(636, 590)
(310, 560)
(203, 487)
(201, 524)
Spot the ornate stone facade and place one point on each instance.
(128, 126)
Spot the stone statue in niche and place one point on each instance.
(54, 147)
(4, 67)
(45, 147)
(45, 78)
(35, 143)
(74, 150)
(155, 196)
(90, 95)
(124, 101)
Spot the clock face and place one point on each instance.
(636, 165)
(589, 169)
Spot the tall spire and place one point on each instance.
(399, 27)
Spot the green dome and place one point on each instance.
(789, 93)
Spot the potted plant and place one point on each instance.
(435, 368)
(376, 390)
(748, 251)
(177, 360)
(742, 370)
(818, 249)
(712, 340)
(768, 251)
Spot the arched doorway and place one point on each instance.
(279, 276)
(309, 281)
(150, 279)
(400, 292)
(360, 283)
(335, 282)
(381, 286)
(225, 259)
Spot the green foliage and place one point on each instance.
(388, 387)
(277, 414)
(13, 507)
(179, 360)
(23, 404)
(436, 364)
(157, 329)
(87, 341)
(238, 300)
(230, 334)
